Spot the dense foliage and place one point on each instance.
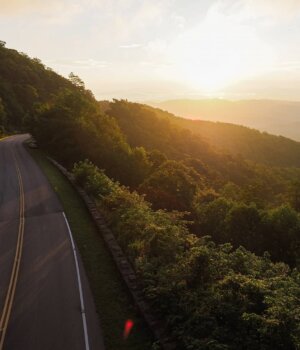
(276, 231)
(213, 297)
(24, 83)
(214, 292)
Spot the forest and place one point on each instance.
(213, 235)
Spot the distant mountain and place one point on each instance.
(275, 117)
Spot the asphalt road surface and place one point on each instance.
(45, 300)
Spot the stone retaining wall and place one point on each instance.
(157, 326)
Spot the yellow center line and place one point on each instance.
(5, 137)
(16, 265)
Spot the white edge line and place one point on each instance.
(86, 338)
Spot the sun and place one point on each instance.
(210, 76)
(218, 52)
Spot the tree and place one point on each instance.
(156, 158)
(139, 166)
(3, 115)
(244, 227)
(294, 194)
(282, 234)
(75, 80)
(210, 218)
(172, 186)
(231, 191)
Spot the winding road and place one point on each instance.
(45, 300)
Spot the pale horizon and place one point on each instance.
(162, 50)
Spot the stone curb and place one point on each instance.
(128, 274)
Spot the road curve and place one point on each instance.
(41, 304)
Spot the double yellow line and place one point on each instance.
(5, 137)
(16, 265)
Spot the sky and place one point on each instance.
(164, 49)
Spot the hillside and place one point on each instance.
(163, 190)
(146, 127)
(274, 117)
(24, 83)
(249, 143)
(242, 141)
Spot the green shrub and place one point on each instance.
(93, 179)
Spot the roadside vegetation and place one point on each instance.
(213, 296)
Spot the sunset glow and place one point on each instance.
(219, 52)
(164, 49)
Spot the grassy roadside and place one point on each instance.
(112, 300)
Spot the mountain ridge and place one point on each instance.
(278, 117)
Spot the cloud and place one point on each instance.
(258, 11)
(274, 9)
(18, 6)
(179, 21)
(286, 66)
(84, 63)
(130, 46)
(53, 12)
